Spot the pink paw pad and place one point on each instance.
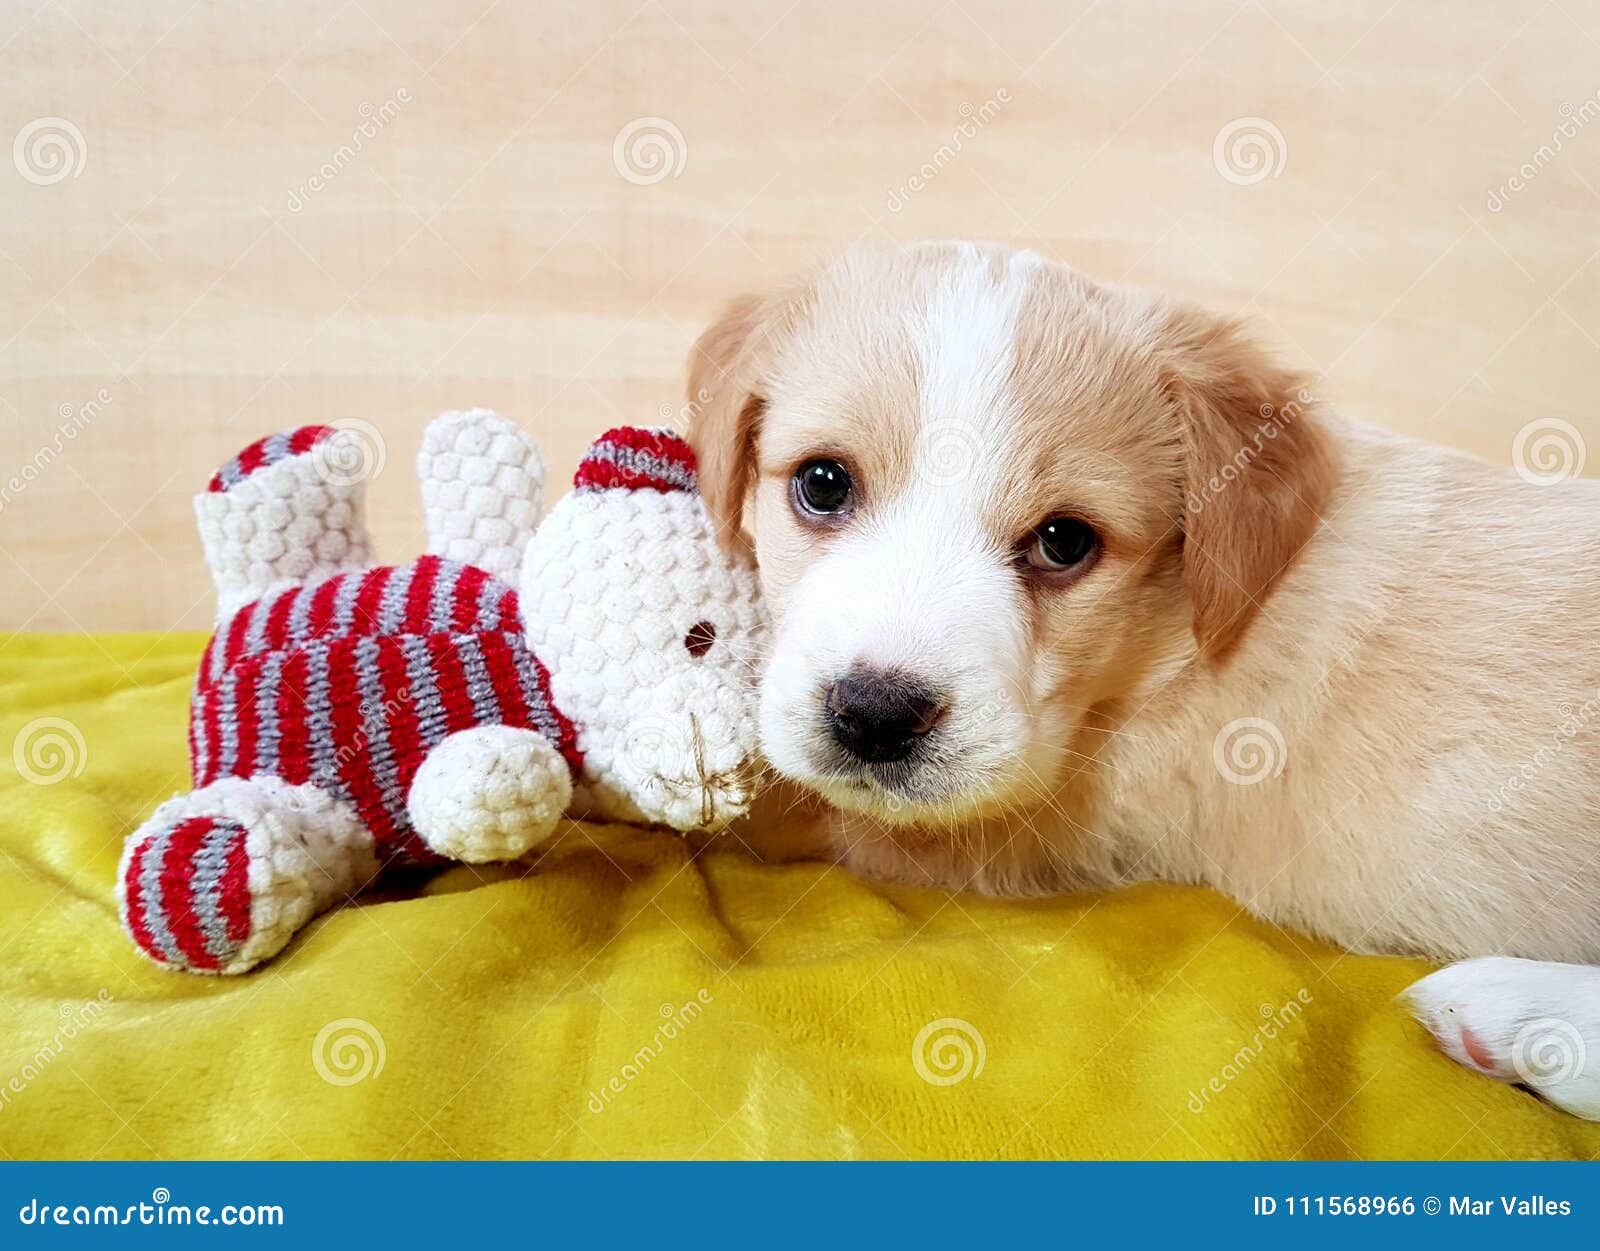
(1477, 1052)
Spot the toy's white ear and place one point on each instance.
(482, 490)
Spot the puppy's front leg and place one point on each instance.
(1525, 1021)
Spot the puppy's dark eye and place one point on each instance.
(1060, 543)
(822, 486)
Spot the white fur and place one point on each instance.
(899, 594)
(1520, 1021)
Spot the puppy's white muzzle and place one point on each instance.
(916, 598)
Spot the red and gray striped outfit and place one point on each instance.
(348, 682)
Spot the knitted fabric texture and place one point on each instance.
(650, 632)
(219, 879)
(347, 717)
(482, 490)
(268, 451)
(283, 510)
(187, 891)
(632, 457)
(477, 794)
(349, 682)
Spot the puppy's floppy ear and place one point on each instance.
(1258, 470)
(727, 403)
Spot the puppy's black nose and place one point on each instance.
(878, 717)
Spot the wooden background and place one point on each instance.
(175, 283)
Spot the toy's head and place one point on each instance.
(652, 635)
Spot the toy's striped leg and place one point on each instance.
(482, 490)
(489, 793)
(219, 880)
(286, 509)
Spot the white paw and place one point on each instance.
(489, 793)
(1523, 1021)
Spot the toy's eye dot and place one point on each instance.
(702, 634)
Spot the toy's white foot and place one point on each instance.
(490, 793)
(1522, 1021)
(219, 880)
(482, 490)
(286, 509)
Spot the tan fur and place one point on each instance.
(1417, 626)
(1230, 396)
(726, 398)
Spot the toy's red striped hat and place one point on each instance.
(636, 457)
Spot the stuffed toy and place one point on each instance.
(348, 717)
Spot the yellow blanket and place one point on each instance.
(624, 998)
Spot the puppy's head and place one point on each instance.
(994, 506)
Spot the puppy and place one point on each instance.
(1075, 586)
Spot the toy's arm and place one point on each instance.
(489, 793)
(482, 490)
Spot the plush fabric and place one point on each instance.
(350, 681)
(627, 997)
(350, 719)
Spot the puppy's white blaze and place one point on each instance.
(965, 342)
(918, 586)
(921, 591)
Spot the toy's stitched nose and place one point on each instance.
(879, 717)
